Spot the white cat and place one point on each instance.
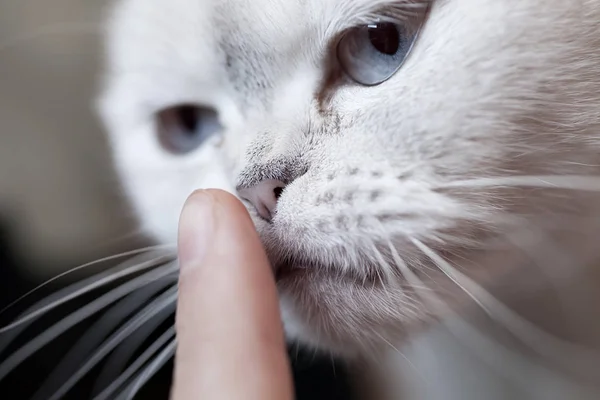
(384, 147)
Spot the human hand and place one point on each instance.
(229, 332)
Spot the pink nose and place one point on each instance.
(264, 196)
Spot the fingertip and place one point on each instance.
(209, 215)
(228, 201)
(196, 224)
(231, 290)
(235, 229)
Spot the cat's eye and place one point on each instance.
(184, 128)
(373, 53)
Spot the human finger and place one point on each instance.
(230, 337)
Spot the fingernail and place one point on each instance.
(196, 226)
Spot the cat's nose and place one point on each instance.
(263, 196)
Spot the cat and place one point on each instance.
(387, 150)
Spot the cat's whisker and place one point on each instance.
(392, 280)
(120, 357)
(136, 365)
(96, 282)
(81, 314)
(542, 342)
(9, 333)
(566, 182)
(472, 339)
(427, 294)
(404, 357)
(160, 360)
(160, 308)
(384, 267)
(509, 363)
(525, 240)
(101, 329)
(413, 280)
(87, 265)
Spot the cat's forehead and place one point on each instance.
(272, 20)
(145, 35)
(279, 24)
(200, 41)
(264, 42)
(261, 16)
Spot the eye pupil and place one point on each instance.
(184, 128)
(188, 117)
(385, 38)
(371, 54)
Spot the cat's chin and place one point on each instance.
(298, 331)
(317, 308)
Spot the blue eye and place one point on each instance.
(185, 128)
(372, 54)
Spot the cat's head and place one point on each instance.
(373, 141)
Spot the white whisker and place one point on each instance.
(542, 342)
(509, 363)
(98, 332)
(569, 182)
(512, 364)
(86, 265)
(152, 369)
(96, 282)
(85, 312)
(9, 334)
(418, 373)
(414, 281)
(137, 364)
(388, 273)
(119, 358)
(525, 240)
(161, 308)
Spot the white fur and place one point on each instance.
(492, 88)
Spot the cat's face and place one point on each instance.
(349, 140)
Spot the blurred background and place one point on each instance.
(60, 206)
(59, 199)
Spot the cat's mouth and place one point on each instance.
(290, 270)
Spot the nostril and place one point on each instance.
(264, 196)
(277, 192)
